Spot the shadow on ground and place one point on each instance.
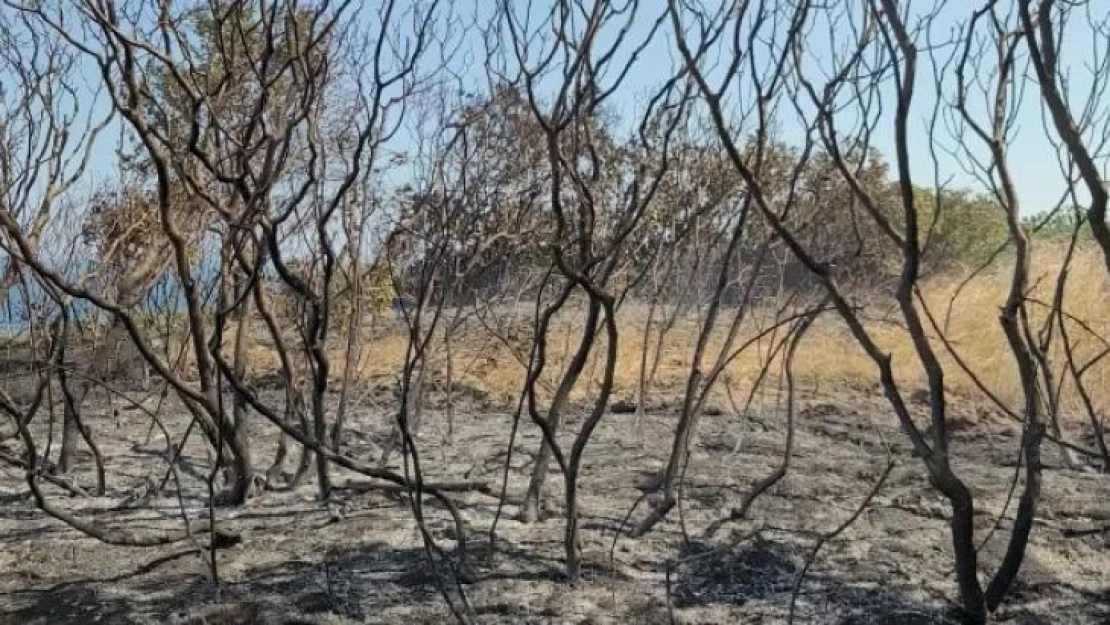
(765, 572)
(376, 576)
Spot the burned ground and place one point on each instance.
(360, 559)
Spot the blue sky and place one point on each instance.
(1032, 156)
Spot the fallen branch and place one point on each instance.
(60, 483)
(362, 486)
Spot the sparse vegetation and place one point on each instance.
(562, 311)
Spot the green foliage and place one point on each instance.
(375, 292)
(236, 56)
(959, 228)
(1060, 224)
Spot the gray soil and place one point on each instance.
(360, 559)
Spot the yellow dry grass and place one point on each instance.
(969, 320)
(827, 360)
(977, 337)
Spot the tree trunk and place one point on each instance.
(239, 404)
(578, 449)
(533, 499)
(68, 448)
(449, 382)
(963, 544)
(642, 383)
(350, 355)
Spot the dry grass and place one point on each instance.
(828, 359)
(976, 336)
